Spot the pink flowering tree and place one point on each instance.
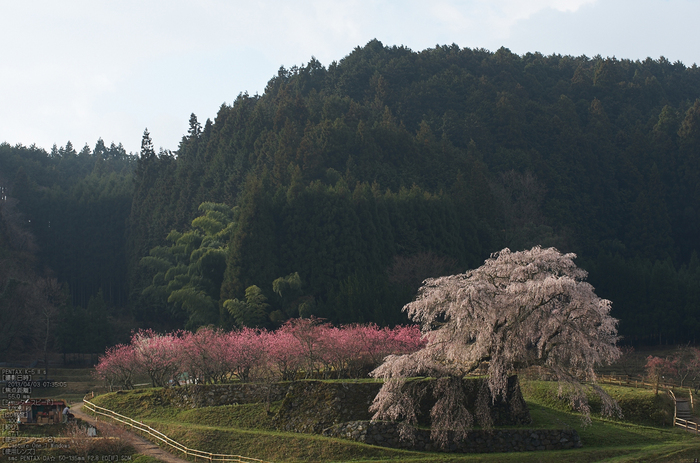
(245, 354)
(157, 355)
(312, 347)
(308, 333)
(285, 353)
(193, 355)
(338, 350)
(519, 309)
(118, 367)
(203, 355)
(396, 341)
(656, 368)
(211, 355)
(686, 361)
(358, 349)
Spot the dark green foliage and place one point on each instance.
(188, 274)
(389, 156)
(655, 302)
(76, 207)
(252, 312)
(90, 329)
(63, 215)
(341, 244)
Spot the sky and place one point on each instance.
(81, 70)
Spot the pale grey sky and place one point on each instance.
(82, 69)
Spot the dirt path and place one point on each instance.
(142, 446)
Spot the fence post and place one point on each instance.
(196, 453)
(692, 405)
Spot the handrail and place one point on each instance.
(690, 425)
(681, 423)
(673, 396)
(692, 402)
(165, 439)
(675, 406)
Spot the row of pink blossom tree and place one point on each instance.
(300, 348)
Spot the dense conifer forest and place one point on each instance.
(340, 188)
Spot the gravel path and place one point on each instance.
(142, 446)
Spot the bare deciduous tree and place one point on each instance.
(520, 309)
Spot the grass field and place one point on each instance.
(643, 435)
(247, 430)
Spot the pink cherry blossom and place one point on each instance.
(519, 309)
(118, 366)
(307, 347)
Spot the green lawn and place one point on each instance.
(247, 430)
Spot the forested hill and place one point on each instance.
(336, 191)
(62, 221)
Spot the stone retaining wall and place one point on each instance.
(478, 441)
(196, 395)
(340, 409)
(312, 406)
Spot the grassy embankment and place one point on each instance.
(247, 430)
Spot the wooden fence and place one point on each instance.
(640, 383)
(689, 425)
(634, 382)
(159, 436)
(680, 422)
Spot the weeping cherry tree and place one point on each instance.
(518, 310)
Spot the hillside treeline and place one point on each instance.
(340, 188)
(62, 269)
